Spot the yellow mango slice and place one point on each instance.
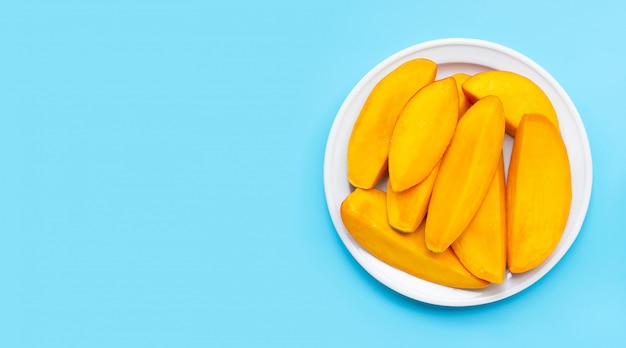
(406, 209)
(364, 215)
(518, 94)
(422, 133)
(464, 103)
(368, 146)
(465, 173)
(539, 193)
(482, 246)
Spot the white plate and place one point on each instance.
(452, 56)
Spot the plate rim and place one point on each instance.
(388, 64)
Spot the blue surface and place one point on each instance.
(161, 181)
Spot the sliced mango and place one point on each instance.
(422, 133)
(539, 193)
(465, 173)
(368, 145)
(406, 209)
(464, 103)
(518, 94)
(482, 246)
(364, 215)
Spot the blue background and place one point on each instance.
(161, 174)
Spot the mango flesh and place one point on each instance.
(464, 103)
(539, 193)
(518, 94)
(364, 215)
(465, 173)
(368, 146)
(482, 246)
(406, 209)
(422, 133)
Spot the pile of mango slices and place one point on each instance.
(449, 214)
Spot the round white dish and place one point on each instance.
(452, 56)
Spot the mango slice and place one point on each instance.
(518, 94)
(482, 246)
(465, 173)
(539, 193)
(464, 103)
(422, 133)
(406, 209)
(364, 216)
(368, 146)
